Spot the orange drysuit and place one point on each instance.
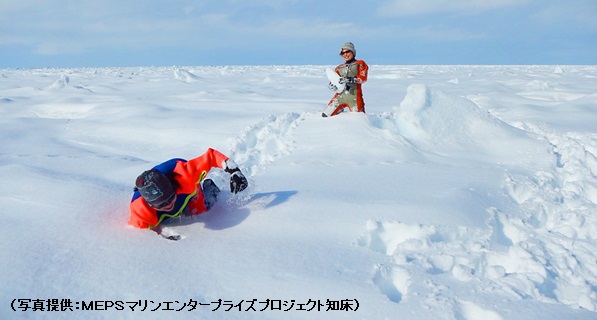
(187, 177)
(352, 97)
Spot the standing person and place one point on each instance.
(173, 189)
(353, 73)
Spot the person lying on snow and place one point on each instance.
(174, 188)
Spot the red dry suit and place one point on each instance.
(352, 97)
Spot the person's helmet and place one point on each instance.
(155, 188)
(348, 46)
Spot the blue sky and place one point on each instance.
(93, 33)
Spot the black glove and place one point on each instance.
(238, 182)
(174, 237)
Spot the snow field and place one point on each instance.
(465, 192)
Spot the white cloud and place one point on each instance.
(421, 7)
(582, 15)
(437, 33)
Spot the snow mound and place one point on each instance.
(449, 125)
(185, 75)
(63, 82)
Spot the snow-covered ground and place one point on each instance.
(465, 192)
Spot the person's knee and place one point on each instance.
(210, 193)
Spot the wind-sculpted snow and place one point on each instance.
(449, 125)
(185, 75)
(266, 141)
(541, 248)
(537, 247)
(465, 192)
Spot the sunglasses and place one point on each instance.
(345, 52)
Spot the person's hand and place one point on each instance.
(344, 80)
(238, 182)
(332, 87)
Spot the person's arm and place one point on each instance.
(142, 216)
(363, 72)
(196, 169)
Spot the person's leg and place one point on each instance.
(331, 107)
(210, 193)
(206, 197)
